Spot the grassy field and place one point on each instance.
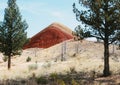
(81, 66)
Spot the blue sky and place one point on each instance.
(41, 13)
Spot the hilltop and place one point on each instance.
(49, 36)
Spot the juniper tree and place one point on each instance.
(80, 34)
(103, 20)
(13, 33)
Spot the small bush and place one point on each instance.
(74, 55)
(74, 82)
(47, 64)
(5, 58)
(23, 82)
(28, 59)
(60, 82)
(54, 76)
(92, 74)
(33, 67)
(41, 80)
(72, 70)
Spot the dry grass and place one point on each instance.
(47, 61)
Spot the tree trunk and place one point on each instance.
(77, 47)
(119, 46)
(113, 49)
(9, 62)
(106, 71)
(63, 56)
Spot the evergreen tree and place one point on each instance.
(13, 33)
(103, 19)
(81, 33)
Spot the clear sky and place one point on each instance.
(41, 13)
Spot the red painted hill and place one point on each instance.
(53, 34)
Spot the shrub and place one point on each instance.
(54, 76)
(74, 82)
(60, 82)
(74, 55)
(33, 67)
(5, 58)
(92, 74)
(47, 64)
(72, 70)
(28, 59)
(41, 80)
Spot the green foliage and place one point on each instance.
(74, 82)
(47, 64)
(41, 80)
(28, 59)
(81, 33)
(27, 41)
(5, 58)
(60, 82)
(101, 16)
(54, 76)
(72, 70)
(103, 20)
(13, 33)
(33, 67)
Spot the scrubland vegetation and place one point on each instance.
(44, 67)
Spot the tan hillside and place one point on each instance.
(62, 27)
(46, 61)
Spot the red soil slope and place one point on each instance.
(53, 34)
